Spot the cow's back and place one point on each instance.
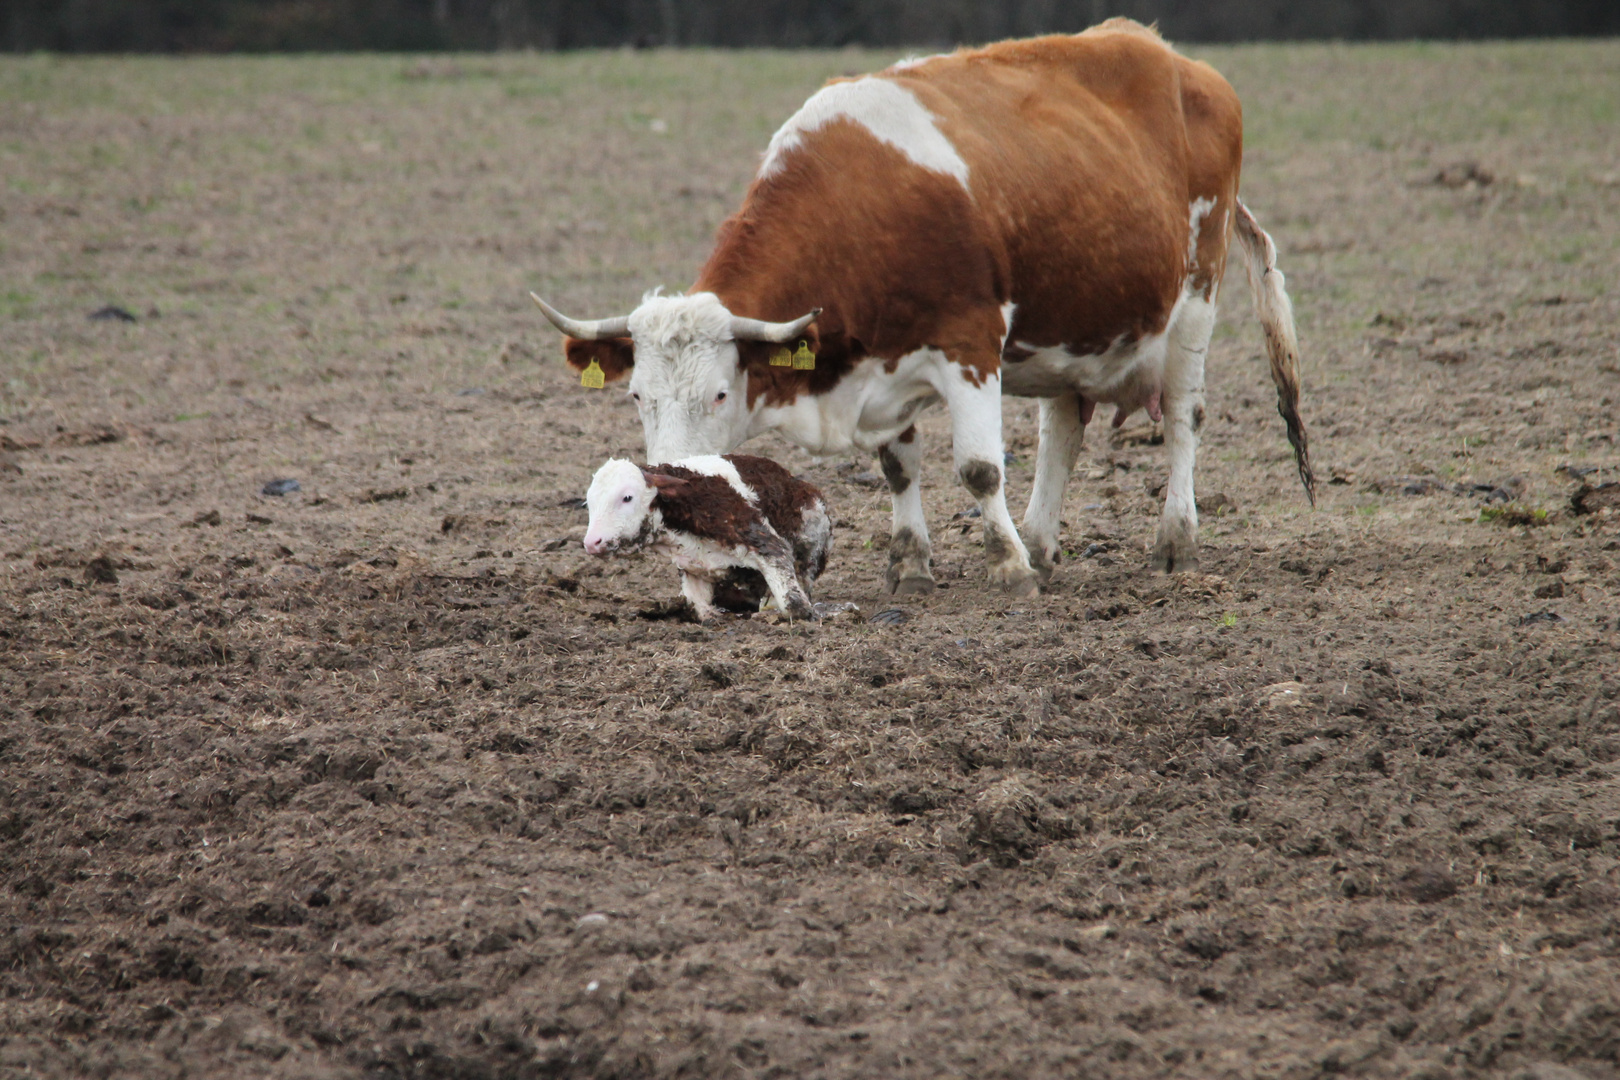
(1087, 153)
(1081, 159)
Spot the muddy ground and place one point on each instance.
(383, 777)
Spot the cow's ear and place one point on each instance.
(756, 355)
(665, 483)
(615, 356)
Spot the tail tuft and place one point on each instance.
(1276, 316)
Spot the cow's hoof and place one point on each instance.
(1043, 563)
(1175, 558)
(1175, 551)
(912, 586)
(1020, 583)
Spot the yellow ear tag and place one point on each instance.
(781, 358)
(804, 359)
(592, 376)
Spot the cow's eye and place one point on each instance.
(635, 397)
(721, 396)
(629, 498)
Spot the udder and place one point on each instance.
(1147, 398)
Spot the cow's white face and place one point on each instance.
(687, 381)
(619, 499)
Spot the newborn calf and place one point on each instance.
(718, 518)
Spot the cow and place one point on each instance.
(1048, 218)
(735, 526)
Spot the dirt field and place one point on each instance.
(383, 777)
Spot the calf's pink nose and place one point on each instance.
(594, 544)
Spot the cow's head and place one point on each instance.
(686, 374)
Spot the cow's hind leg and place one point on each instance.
(1063, 432)
(909, 547)
(979, 453)
(1177, 545)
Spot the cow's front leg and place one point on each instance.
(909, 548)
(1063, 432)
(699, 592)
(1176, 547)
(976, 441)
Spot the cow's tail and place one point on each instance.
(1276, 314)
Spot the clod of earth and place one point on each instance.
(1427, 883)
(101, 570)
(1464, 174)
(1590, 500)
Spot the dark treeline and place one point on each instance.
(293, 25)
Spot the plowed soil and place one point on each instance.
(384, 777)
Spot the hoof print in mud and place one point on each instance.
(1011, 822)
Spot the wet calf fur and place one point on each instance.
(737, 527)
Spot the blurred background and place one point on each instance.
(430, 25)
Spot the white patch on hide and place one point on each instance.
(1200, 208)
(911, 62)
(715, 465)
(886, 109)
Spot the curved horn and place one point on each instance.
(585, 331)
(754, 330)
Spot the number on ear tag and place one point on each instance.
(592, 376)
(781, 358)
(804, 359)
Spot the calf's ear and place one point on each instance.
(615, 356)
(665, 483)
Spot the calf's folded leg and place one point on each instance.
(699, 592)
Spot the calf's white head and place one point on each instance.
(685, 374)
(620, 501)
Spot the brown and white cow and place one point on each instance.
(1049, 218)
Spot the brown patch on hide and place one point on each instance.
(705, 506)
(894, 471)
(783, 497)
(981, 478)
